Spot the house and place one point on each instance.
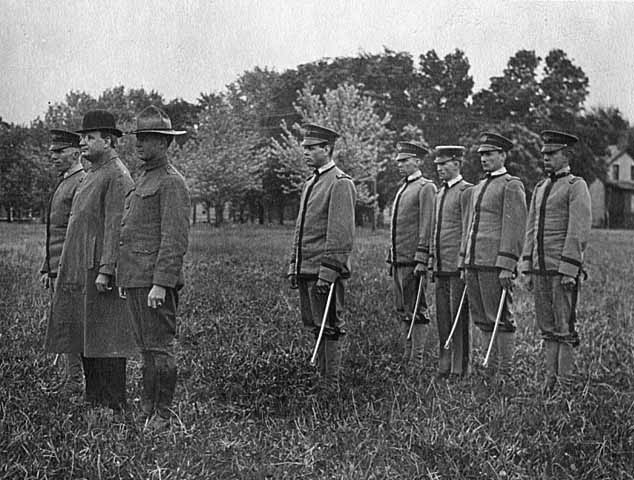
(613, 197)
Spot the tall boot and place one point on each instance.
(333, 356)
(149, 391)
(566, 364)
(406, 344)
(490, 369)
(166, 384)
(418, 345)
(551, 354)
(506, 347)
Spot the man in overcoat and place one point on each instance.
(451, 216)
(66, 158)
(154, 237)
(492, 247)
(87, 315)
(557, 230)
(322, 246)
(411, 227)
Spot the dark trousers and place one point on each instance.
(105, 381)
(155, 332)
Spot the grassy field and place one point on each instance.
(244, 399)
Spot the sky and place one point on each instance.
(181, 48)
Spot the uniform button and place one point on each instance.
(121, 242)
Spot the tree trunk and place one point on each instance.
(219, 214)
(194, 213)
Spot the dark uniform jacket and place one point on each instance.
(324, 232)
(451, 218)
(82, 319)
(558, 225)
(497, 223)
(412, 220)
(154, 229)
(57, 218)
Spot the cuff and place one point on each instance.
(165, 280)
(421, 256)
(107, 269)
(569, 266)
(506, 260)
(328, 274)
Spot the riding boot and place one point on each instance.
(566, 364)
(506, 345)
(551, 353)
(418, 345)
(149, 391)
(165, 385)
(405, 343)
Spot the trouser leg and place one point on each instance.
(149, 382)
(444, 322)
(506, 346)
(332, 363)
(166, 383)
(461, 342)
(551, 362)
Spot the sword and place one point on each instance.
(455, 322)
(495, 327)
(313, 359)
(418, 297)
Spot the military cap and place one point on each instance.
(445, 153)
(99, 120)
(154, 120)
(61, 139)
(411, 149)
(555, 140)
(316, 135)
(491, 142)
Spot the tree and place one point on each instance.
(361, 150)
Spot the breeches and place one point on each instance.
(555, 309)
(313, 305)
(484, 291)
(405, 287)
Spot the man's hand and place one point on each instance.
(47, 282)
(420, 270)
(156, 297)
(122, 293)
(322, 287)
(390, 270)
(568, 283)
(103, 283)
(506, 279)
(528, 281)
(463, 275)
(292, 281)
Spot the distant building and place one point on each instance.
(613, 198)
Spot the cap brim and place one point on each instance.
(405, 156)
(489, 148)
(161, 132)
(552, 148)
(310, 141)
(445, 159)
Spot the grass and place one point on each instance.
(244, 402)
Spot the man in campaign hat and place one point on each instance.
(322, 245)
(65, 155)
(492, 246)
(411, 226)
(87, 315)
(450, 222)
(557, 230)
(154, 238)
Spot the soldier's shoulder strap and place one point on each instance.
(341, 175)
(508, 177)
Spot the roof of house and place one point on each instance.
(614, 153)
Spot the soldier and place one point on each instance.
(411, 226)
(322, 246)
(492, 246)
(87, 315)
(557, 229)
(450, 221)
(154, 237)
(66, 159)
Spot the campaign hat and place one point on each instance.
(154, 120)
(411, 149)
(491, 142)
(445, 153)
(99, 120)
(555, 140)
(316, 135)
(61, 139)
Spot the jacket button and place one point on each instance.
(121, 242)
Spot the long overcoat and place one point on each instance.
(82, 320)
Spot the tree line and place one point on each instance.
(242, 153)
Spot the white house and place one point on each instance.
(613, 199)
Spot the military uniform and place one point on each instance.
(56, 224)
(557, 229)
(322, 246)
(493, 242)
(411, 225)
(450, 221)
(154, 238)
